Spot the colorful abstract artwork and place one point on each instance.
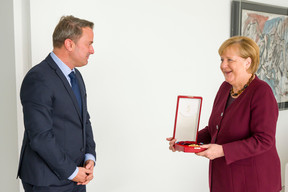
(270, 32)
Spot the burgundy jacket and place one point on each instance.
(246, 130)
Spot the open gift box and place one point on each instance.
(187, 123)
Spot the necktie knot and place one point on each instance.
(72, 75)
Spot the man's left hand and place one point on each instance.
(89, 164)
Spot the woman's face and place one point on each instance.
(234, 67)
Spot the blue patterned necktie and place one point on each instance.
(75, 88)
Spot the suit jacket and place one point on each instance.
(56, 136)
(246, 130)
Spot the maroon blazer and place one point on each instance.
(246, 130)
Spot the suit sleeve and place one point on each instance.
(204, 136)
(90, 144)
(37, 100)
(263, 120)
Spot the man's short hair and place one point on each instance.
(69, 27)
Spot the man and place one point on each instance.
(58, 150)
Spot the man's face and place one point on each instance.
(82, 48)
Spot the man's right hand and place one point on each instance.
(82, 174)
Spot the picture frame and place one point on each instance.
(267, 25)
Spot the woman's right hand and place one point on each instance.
(171, 143)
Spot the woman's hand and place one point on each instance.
(171, 143)
(213, 151)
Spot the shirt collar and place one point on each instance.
(64, 68)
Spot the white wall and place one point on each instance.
(8, 107)
(146, 53)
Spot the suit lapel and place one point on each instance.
(82, 91)
(67, 86)
(84, 107)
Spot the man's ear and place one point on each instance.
(69, 44)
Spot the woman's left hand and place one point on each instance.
(213, 151)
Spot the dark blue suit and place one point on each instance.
(57, 136)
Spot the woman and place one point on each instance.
(240, 136)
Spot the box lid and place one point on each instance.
(187, 118)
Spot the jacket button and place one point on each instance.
(82, 149)
(217, 127)
(221, 114)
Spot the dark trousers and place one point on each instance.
(71, 187)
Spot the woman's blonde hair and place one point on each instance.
(246, 48)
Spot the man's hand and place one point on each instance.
(82, 175)
(89, 165)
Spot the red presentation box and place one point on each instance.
(186, 126)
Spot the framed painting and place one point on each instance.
(267, 25)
